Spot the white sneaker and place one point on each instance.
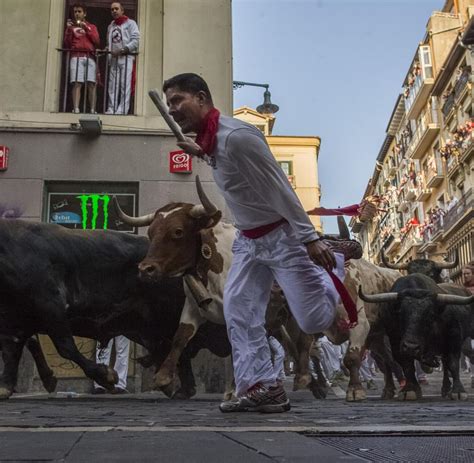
(76, 111)
(109, 111)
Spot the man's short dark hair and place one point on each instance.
(188, 82)
(80, 5)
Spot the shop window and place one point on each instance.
(287, 167)
(87, 205)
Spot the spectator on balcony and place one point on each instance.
(122, 39)
(82, 36)
(468, 277)
(453, 201)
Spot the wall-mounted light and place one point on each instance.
(90, 124)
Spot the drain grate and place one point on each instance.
(405, 448)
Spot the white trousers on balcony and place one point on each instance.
(122, 349)
(120, 84)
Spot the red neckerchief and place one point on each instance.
(120, 20)
(206, 137)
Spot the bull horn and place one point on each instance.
(453, 299)
(387, 264)
(343, 228)
(142, 221)
(209, 207)
(449, 264)
(377, 298)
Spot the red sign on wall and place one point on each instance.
(180, 162)
(4, 157)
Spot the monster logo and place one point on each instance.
(94, 202)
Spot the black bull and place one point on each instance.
(62, 282)
(425, 321)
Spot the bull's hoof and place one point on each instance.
(318, 389)
(107, 377)
(301, 382)
(407, 395)
(50, 383)
(162, 379)
(388, 394)
(168, 390)
(355, 394)
(5, 393)
(446, 393)
(458, 395)
(181, 395)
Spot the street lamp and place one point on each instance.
(267, 107)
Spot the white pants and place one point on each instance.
(331, 356)
(310, 293)
(278, 356)
(364, 370)
(122, 349)
(119, 84)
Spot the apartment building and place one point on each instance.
(423, 179)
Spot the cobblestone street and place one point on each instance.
(149, 427)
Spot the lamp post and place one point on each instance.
(267, 107)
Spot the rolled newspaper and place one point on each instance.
(160, 104)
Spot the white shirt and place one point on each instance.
(253, 184)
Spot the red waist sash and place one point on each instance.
(258, 232)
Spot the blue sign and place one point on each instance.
(65, 217)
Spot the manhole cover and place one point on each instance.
(405, 448)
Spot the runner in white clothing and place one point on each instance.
(276, 241)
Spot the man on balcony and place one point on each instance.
(82, 36)
(122, 39)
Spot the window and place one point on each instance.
(98, 13)
(287, 167)
(425, 60)
(87, 205)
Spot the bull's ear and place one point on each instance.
(207, 221)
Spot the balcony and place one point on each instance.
(467, 148)
(411, 194)
(423, 194)
(424, 135)
(418, 94)
(394, 243)
(113, 92)
(452, 165)
(448, 105)
(460, 213)
(411, 239)
(435, 179)
(460, 84)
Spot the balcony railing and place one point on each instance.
(448, 104)
(110, 78)
(410, 239)
(461, 209)
(461, 83)
(424, 134)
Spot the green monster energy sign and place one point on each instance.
(104, 199)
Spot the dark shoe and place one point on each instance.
(120, 390)
(350, 249)
(259, 399)
(99, 390)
